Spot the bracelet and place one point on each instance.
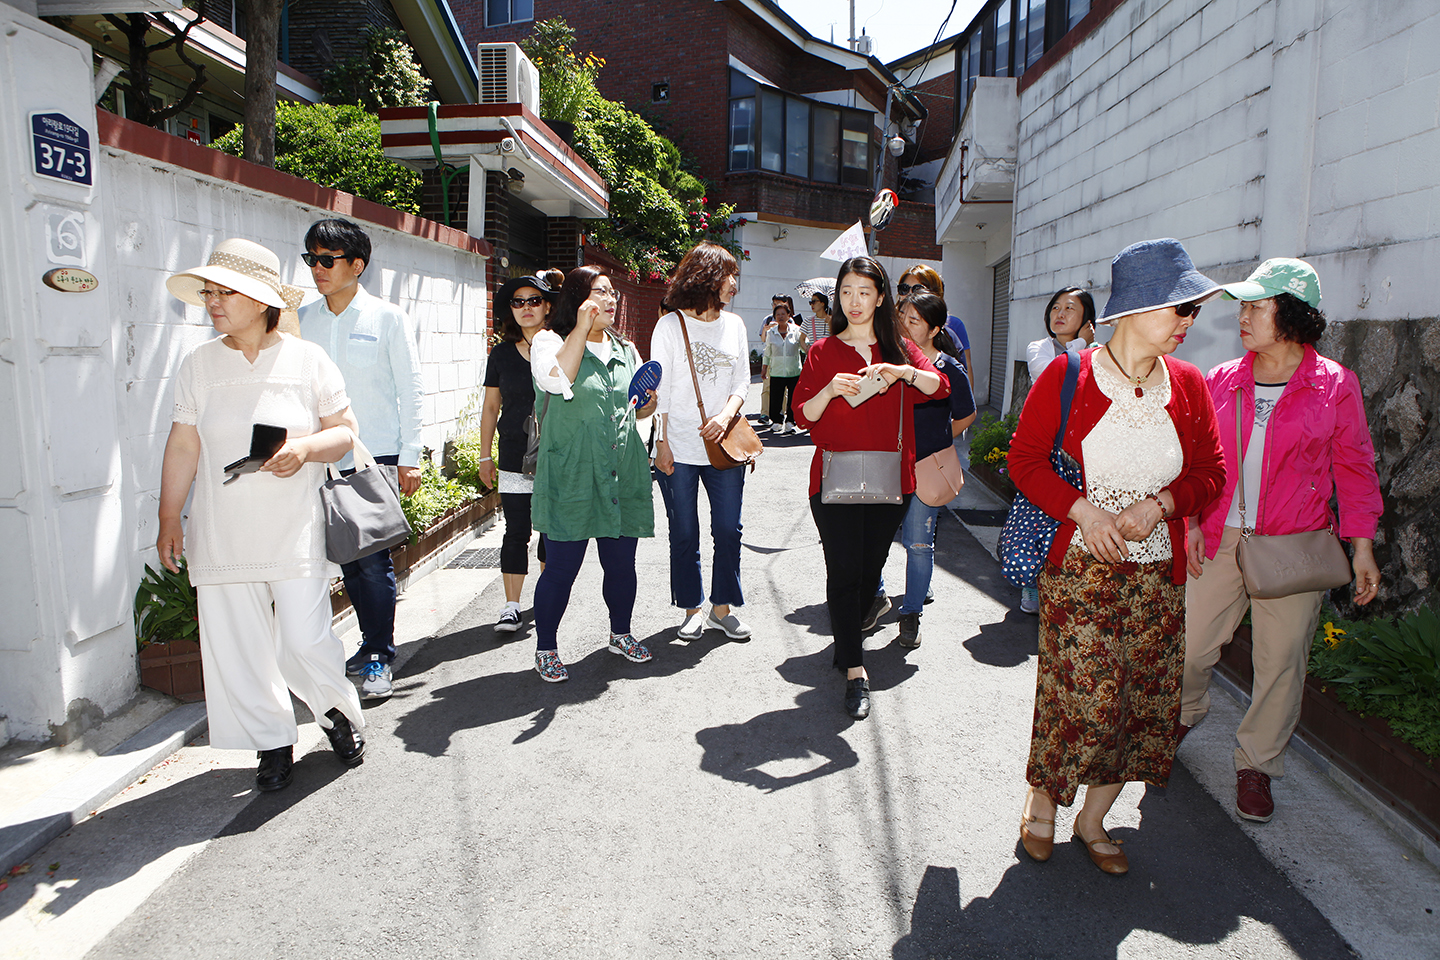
(914, 373)
(1164, 514)
(484, 460)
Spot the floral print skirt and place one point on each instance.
(1107, 696)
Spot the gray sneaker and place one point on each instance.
(1029, 600)
(694, 625)
(734, 628)
(910, 630)
(878, 609)
(375, 679)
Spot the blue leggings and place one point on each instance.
(562, 566)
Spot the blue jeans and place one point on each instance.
(370, 584)
(681, 492)
(917, 533)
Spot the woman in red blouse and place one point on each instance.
(856, 537)
(1112, 593)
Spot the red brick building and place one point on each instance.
(789, 128)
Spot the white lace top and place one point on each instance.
(1131, 453)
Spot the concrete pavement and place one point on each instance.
(714, 802)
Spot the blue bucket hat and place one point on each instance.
(1153, 274)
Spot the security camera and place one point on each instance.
(507, 145)
(897, 146)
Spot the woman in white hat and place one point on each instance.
(1142, 430)
(1305, 437)
(256, 550)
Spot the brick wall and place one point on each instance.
(937, 132)
(911, 234)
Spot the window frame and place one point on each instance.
(756, 93)
(510, 5)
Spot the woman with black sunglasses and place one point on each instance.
(521, 307)
(1142, 430)
(925, 279)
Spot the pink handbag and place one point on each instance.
(938, 478)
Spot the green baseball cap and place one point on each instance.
(1277, 275)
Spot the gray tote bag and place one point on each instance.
(362, 511)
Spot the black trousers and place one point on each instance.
(515, 544)
(856, 539)
(782, 399)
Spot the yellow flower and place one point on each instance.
(1333, 635)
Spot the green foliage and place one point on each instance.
(337, 147)
(567, 80)
(658, 209)
(384, 74)
(166, 608)
(990, 440)
(1386, 669)
(467, 454)
(435, 496)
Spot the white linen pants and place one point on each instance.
(254, 656)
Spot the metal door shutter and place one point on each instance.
(1000, 333)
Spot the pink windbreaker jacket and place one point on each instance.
(1317, 441)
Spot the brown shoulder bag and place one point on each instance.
(739, 444)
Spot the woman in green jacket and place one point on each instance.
(592, 479)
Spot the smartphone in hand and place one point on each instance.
(265, 441)
(869, 385)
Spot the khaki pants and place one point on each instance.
(765, 396)
(1282, 632)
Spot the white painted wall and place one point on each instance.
(85, 378)
(1248, 129)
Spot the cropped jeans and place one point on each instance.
(681, 492)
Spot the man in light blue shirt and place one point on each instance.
(373, 344)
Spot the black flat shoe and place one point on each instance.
(345, 740)
(857, 698)
(276, 769)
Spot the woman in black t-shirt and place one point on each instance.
(521, 306)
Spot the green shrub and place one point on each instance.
(435, 496)
(467, 454)
(990, 440)
(166, 607)
(1386, 669)
(384, 74)
(336, 146)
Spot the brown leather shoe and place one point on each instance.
(1038, 848)
(1252, 796)
(1112, 863)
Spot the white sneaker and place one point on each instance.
(734, 628)
(693, 626)
(509, 621)
(375, 679)
(789, 429)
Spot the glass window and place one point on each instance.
(826, 166)
(1036, 45)
(1078, 9)
(742, 134)
(1002, 39)
(1021, 19)
(962, 85)
(797, 137)
(500, 12)
(772, 130)
(855, 149)
(974, 66)
(741, 85)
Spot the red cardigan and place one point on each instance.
(872, 425)
(1190, 409)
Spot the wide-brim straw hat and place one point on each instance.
(242, 266)
(1151, 275)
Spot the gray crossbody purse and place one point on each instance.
(1287, 564)
(362, 511)
(864, 476)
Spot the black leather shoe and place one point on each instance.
(345, 740)
(857, 698)
(276, 769)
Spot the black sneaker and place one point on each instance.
(276, 769)
(910, 630)
(878, 609)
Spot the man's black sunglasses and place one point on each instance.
(325, 260)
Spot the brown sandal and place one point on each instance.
(1039, 848)
(1112, 863)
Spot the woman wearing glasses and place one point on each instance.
(521, 306)
(592, 480)
(923, 279)
(705, 282)
(256, 543)
(1112, 594)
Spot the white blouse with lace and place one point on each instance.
(1131, 453)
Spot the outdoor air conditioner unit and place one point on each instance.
(508, 76)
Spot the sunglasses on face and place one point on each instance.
(1188, 310)
(222, 295)
(907, 288)
(520, 303)
(325, 260)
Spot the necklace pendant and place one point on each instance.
(1139, 392)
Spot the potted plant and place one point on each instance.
(167, 633)
(989, 452)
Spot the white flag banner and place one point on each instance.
(849, 244)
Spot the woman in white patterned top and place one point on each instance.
(1112, 592)
(256, 550)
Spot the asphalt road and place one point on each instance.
(715, 802)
